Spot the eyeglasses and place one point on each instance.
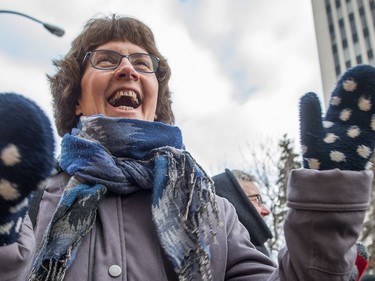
(110, 60)
(257, 198)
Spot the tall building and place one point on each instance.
(345, 37)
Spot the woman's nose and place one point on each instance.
(126, 70)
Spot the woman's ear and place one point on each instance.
(78, 110)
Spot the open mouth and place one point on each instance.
(125, 100)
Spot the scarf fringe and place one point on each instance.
(198, 224)
(51, 270)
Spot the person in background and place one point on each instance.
(251, 190)
(240, 190)
(129, 202)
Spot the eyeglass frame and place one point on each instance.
(88, 56)
(258, 197)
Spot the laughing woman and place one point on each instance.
(130, 203)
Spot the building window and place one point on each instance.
(338, 71)
(331, 29)
(359, 59)
(353, 27)
(328, 6)
(365, 27)
(342, 29)
(347, 64)
(334, 49)
(330, 22)
(363, 16)
(351, 16)
(370, 54)
(365, 32)
(372, 7)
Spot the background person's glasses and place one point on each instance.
(110, 60)
(257, 199)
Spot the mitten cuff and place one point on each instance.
(329, 190)
(11, 222)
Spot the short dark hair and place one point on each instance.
(66, 83)
(242, 176)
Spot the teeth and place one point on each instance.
(123, 107)
(130, 94)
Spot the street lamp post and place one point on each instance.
(51, 28)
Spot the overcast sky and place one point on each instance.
(239, 67)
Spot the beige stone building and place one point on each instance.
(345, 37)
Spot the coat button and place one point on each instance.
(114, 270)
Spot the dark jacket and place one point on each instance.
(227, 186)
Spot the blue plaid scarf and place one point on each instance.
(122, 156)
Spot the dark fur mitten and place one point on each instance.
(26, 159)
(345, 137)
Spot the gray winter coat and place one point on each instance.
(326, 214)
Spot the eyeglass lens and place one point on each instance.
(256, 198)
(106, 59)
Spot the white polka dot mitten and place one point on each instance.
(26, 159)
(345, 137)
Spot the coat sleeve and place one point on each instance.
(235, 258)
(16, 258)
(325, 217)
